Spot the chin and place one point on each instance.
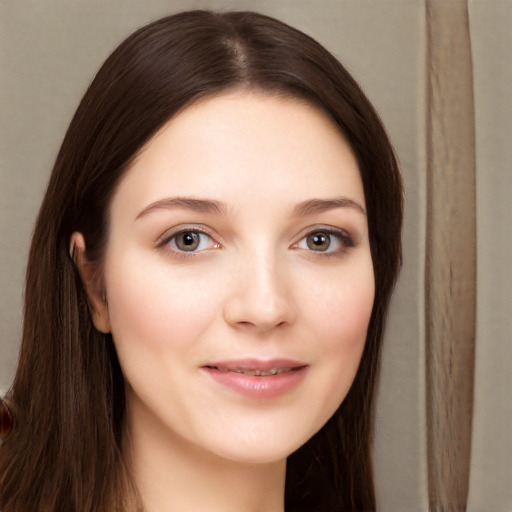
(263, 449)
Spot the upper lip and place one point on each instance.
(255, 364)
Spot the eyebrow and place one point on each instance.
(313, 206)
(189, 203)
(309, 207)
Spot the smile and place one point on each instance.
(256, 372)
(258, 379)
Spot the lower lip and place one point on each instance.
(268, 386)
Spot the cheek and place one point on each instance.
(338, 317)
(155, 310)
(341, 313)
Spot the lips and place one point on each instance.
(258, 378)
(256, 372)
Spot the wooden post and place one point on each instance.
(450, 255)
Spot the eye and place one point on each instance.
(326, 241)
(319, 241)
(191, 240)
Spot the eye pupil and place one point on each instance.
(187, 241)
(319, 241)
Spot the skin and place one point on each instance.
(256, 286)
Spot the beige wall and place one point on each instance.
(491, 465)
(49, 52)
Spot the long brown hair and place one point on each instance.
(68, 393)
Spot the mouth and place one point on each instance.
(255, 372)
(258, 378)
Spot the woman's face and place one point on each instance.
(238, 277)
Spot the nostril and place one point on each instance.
(245, 324)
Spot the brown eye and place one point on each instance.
(188, 240)
(328, 242)
(318, 241)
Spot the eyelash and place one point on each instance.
(343, 237)
(165, 243)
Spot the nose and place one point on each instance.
(260, 297)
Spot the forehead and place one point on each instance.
(243, 144)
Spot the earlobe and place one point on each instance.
(96, 298)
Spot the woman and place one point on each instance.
(208, 282)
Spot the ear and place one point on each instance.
(97, 301)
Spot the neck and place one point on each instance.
(173, 475)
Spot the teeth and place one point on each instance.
(257, 373)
